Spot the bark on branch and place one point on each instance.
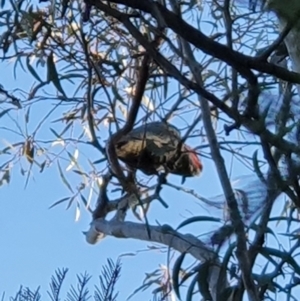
(254, 126)
(166, 235)
(242, 63)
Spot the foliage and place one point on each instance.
(215, 70)
(105, 291)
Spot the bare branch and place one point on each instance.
(142, 78)
(235, 216)
(242, 63)
(166, 235)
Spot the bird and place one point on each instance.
(157, 146)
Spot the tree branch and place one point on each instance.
(166, 235)
(235, 216)
(253, 126)
(242, 63)
(142, 78)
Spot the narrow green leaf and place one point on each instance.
(268, 230)
(80, 172)
(224, 267)
(63, 178)
(5, 150)
(203, 275)
(283, 218)
(6, 176)
(165, 86)
(190, 292)
(18, 60)
(27, 114)
(70, 202)
(72, 75)
(73, 160)
(257, 168)
(59, 202)
(176, 273)
(4, 112)
(84, 200)
(55, 133)
(265, 112)
(5, 164)
(65, 129)
(117, 95)
(31, 70)
(42, 167)
(267, 254)
(52, 75)
(198, 219)
(35, 89)
(99, 161)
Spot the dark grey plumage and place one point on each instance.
(157, 146)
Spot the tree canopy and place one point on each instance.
(223, 73)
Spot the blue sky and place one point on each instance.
(35, 241)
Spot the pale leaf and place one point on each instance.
(58, 142)
(148, 103)
(73, 160)
(90, 195)
(123, 110)
(100, 181)
(77, 213)
(87, 132)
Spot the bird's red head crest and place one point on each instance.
(194, 159)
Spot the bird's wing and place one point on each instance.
(160, 151)
(132, 146)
